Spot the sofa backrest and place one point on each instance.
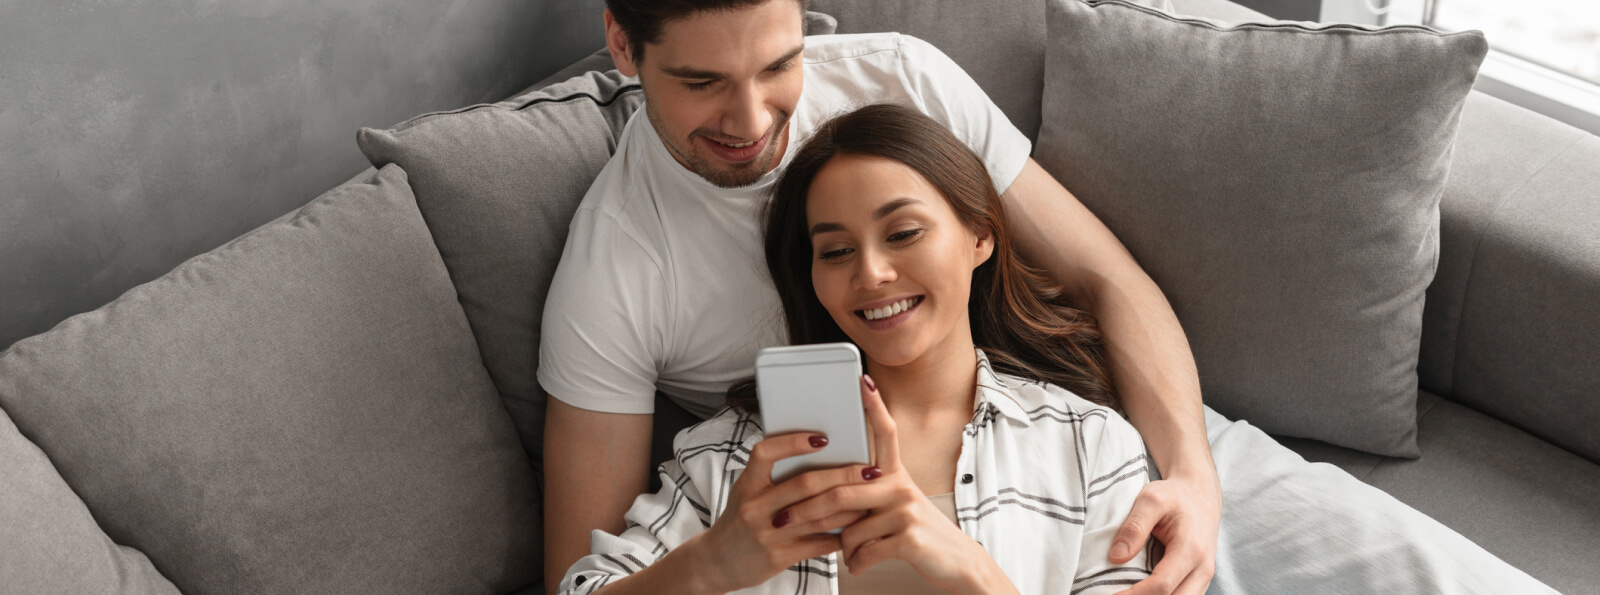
(136, 135)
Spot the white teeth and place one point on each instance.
(889, 310)
(740, 145)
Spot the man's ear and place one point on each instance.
(984, 250)
(617, 43)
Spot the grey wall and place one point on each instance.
(138, 133)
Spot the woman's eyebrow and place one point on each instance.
(892, 206)
(825, 228)
(879, 213)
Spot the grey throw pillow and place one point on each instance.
(51, 543)
(1281, 184)
(497, 185)
(302, 410)
(999, 44)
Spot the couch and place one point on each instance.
(334, 403)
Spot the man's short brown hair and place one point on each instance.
(642, 20)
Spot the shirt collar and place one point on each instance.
(997, 394)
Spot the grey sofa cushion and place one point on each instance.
(1532, 504)
(51, 543)
(497, 185)
(1281, 184)
(299, 411)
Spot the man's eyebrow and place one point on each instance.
(880, 213)
(687, 72)
(790, 55)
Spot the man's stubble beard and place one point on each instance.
(743, 175)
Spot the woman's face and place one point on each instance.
(890, 260)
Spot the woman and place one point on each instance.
(995, 470)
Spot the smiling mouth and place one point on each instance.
(891, 310)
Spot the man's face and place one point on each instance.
(720, 87)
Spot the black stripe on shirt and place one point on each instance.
(1134, 473)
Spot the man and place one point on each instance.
(640, 302)
(663, 286)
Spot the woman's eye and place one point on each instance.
(904, 236)
(834, 255)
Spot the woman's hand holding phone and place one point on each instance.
(757, 537)
(900, 522)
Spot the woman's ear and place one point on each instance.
(984, 249)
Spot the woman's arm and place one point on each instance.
(748, 543)
(1118, 467)
(1152, 368)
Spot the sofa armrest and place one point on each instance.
(1512, 323)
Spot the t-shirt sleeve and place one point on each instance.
(949, 95)
(1118, 470)
(604, 320)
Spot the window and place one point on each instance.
(1563, 35)
(1544, 54)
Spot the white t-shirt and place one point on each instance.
(663, 283)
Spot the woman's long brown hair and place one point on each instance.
(1020, 318)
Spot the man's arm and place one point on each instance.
(595, 464)
(1152, 368)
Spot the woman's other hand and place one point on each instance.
(902, 523)
(756, 538)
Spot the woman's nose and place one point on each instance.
(873, 270)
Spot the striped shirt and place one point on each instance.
(1044, 481)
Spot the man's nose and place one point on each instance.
(747, 116)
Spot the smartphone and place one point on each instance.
(814, 388)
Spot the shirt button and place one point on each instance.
(966, 478)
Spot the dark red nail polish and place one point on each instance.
(818, 441)
(781, 520)
(872, 386)
(871, 473)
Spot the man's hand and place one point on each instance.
(1183, 514)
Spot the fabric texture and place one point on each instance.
(1052, 479)
(663, 284)
(51, 543)
(1499, 148)
(1281, 185)
(498, 185)
(299, 411)
(1528, 346)
(1519, 497)
(1289, 526)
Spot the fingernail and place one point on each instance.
(818, 441)
(781, 520)
(871, 473)
(872, 386)
(1119, 550)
